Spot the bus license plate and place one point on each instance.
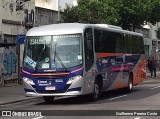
(50, 88)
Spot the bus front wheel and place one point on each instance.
(48, 99)
(96, 93)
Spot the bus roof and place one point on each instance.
(56, 29)
(72, 28)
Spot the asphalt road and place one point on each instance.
(145, 99)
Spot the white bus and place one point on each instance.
(72, 59)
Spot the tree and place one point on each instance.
(134, 13)
(154, 16)
(70, 14)
(129, 14)
(91, 11)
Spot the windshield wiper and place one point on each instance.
(59, 59)
(38, 58)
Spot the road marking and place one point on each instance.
(117, 97)
(137, 118)
(155, 87)
(38, 117)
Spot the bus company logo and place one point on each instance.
(6, 113)
(104, 61)
(53, 65)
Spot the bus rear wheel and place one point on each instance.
(48, 99)
(130, 84)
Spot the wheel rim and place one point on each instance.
(130, 85)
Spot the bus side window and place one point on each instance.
(127, 44)
(88, 45)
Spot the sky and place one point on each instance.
(53, 4)
(62, 3)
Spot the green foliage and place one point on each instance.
(155, 12)
(133, 13)
(92, 11)
(129, 14)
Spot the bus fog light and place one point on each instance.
(74, 79)
(28, 80)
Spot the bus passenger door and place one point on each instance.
(89, 59)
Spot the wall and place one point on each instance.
(148, 45)
(155, 41)
(8, 62)
(48, 4)
(0, 27)
(153, 29)
(16, 17)
(147, 39)
(0, 23)
(1, 62)
(45, 16)
(21, 54)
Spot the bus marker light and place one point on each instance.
(74, 79)
(28, 80)
(59, 80)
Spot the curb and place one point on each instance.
(149, 74)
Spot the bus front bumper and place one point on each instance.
(74, 89)
(34, 94)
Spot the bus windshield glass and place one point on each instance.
(44, 52)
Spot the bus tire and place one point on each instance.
(48, 99)
(130, 84)
(96, 93)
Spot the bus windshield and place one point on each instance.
(61, 51)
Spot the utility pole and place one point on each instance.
(58, 10)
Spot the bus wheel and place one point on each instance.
(48, 99)
(96, 92)
(130, 85)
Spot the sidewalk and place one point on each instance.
(12, 93)
(148, 74)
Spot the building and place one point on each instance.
(47, 4)
(46, 12)
(155, 40)
(152, 43)
(16, 16)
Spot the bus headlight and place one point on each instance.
(28, 80)
(74, 79)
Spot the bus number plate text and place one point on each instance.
(50, 88)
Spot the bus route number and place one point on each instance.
(36, 41)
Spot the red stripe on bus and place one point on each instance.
(47, 74)
(52, 74)
(77, 70)
(120, 68)
(26, 72)
(101, 55)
